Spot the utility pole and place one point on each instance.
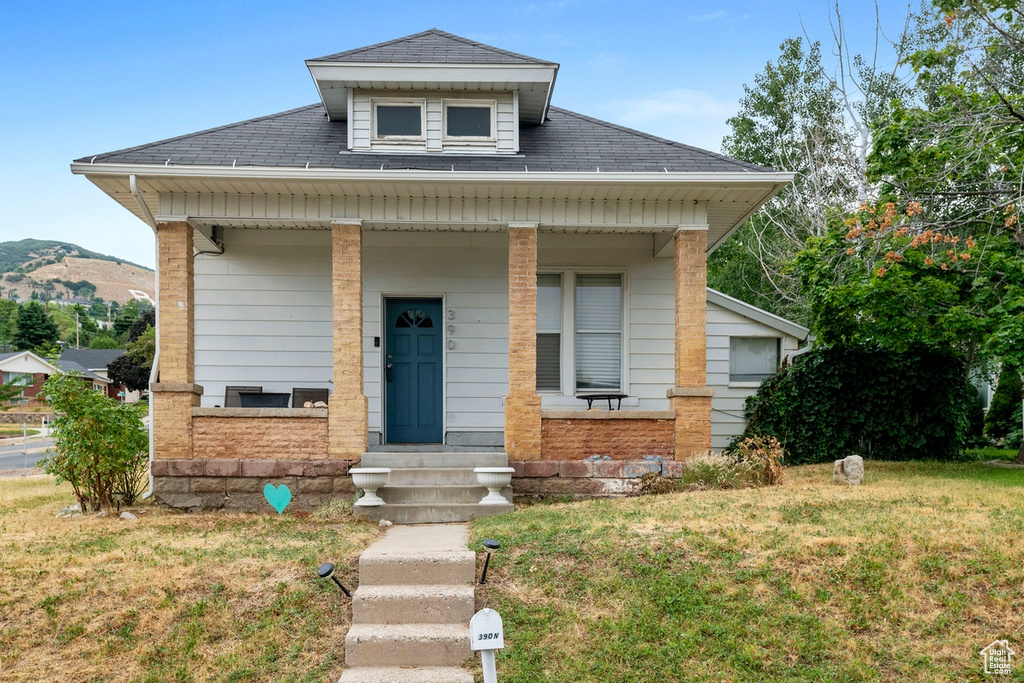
(78, 326)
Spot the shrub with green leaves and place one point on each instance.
(835, 401)
(100, 444)
(1003, 416)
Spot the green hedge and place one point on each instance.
(839, 400)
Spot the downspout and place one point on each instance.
(133, 185)
(799, 352)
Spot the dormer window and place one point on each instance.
(398, 120)
(469, 120)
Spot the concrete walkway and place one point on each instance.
(411, 612)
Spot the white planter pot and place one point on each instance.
(494, 479)
(369, 479)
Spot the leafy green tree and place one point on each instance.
(35, 329)
(133, 369)
(800, 117)
(126, 318)
(1003, 416)
(8, 321)
(104, 340)
(100, 444)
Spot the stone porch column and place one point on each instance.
(691, 397)
(522, 405)
(347, 414)
(175, 394)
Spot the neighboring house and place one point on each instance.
(28, 368)
(96, 361)
(33, 371)
(96, 381)
(450, 255)
(745, 345)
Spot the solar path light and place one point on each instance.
(491, 545)
(118, 496)
(326, 571)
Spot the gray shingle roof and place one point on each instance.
(92, 359)
(433, 47)
(567, 142)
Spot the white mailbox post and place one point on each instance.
(487, 635)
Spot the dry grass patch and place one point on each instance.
(204, 597)
(904, 578)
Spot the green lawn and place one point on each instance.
(905, 578)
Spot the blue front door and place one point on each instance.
(412, 370)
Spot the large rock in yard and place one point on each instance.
(849, 470)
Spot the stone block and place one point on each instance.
(540, 468)
(170, 484)
(673, 469)
(259, 468)
(185, 468)
(517, 467)
(181, 500)
(222, 468)
(293, 468)
(235, 485)
(574, 468)
(315, 485)
(343, 486)
(158, 468)
(207, 485)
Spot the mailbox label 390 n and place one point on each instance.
(486, 630)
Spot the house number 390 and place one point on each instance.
(487, 636)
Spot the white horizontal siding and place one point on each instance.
(263, 313)
(727, 406)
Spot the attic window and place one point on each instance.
(398, 120)
(468, 121)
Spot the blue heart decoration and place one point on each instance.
(277, 496)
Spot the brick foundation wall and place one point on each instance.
(624, 439)
(237, 484)
(261, 437)
(586, 478)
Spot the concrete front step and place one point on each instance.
(444, 460)
(413, 604)
(424, 513)
(429, 556)
(434, 493)
(407, 644)
(433, 476)
(374, 674)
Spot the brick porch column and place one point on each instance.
(691, 397)
(522, 405)
(175, 394)
(347, 416)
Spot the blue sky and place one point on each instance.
(81, 78)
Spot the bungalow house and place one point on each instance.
(31, 371)
(460, 264)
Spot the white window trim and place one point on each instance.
(399, 102)
(568, 340)
(467, 140)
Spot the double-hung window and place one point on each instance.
(579, 332)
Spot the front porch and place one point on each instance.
(286, 308)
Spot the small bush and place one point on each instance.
(715, 471)
(761, 457)
(1003, 416)
(101, 444)
(653, 484)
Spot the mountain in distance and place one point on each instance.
(60, 270)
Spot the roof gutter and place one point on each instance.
(133, 185)
(775, 178)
